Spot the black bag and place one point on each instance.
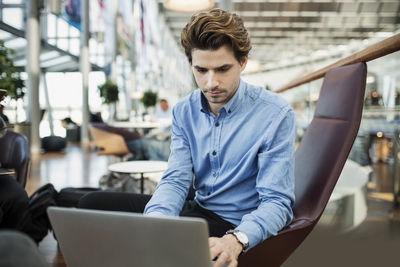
(37, 223)
(69, 196)
(53, 143)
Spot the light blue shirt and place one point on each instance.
(242, 161)
(161, 114)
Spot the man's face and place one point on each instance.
(164, 105)
(217, 73)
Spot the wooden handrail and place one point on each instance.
(375, 51)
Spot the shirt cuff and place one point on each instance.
(253, 232)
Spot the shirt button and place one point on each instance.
(214, 153)
(214, 174)
(217, 124)
(208, 193)
(229, 111)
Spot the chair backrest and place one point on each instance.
(324, 149)
(126, 134)
(108, 143)
(320, 158)
(14, 154)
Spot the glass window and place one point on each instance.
(51, 26)
(13, 1)
(13, 17)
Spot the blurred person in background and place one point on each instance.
(2, 115)
(163, 110)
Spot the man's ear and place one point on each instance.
(243, 62)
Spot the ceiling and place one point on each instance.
(282, 32)
(285, 29)
(52, 57)
(60, 46)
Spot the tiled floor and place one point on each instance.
(75, 167)
(376, 242)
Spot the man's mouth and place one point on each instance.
(214, 93)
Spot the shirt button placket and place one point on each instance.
(215, 164)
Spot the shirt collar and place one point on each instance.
(230, 106)
(236, 99)
(204, 107)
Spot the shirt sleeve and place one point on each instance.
(275, 182)
(173, 188)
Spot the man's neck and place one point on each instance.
(214, 108)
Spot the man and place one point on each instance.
(14, 200)
(2, 115)
(13, 203)
(156, 144)
(235, 139)
(163, 111)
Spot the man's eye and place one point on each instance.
(202, 70)
(223, 69)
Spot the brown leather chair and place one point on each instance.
(108, 143)
(14, 154)
(126, 134)
(320, 158)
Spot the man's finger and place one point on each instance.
(214, 252)
(233, 263)
(222, 258)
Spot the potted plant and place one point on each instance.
(149, 99)
(109, 92)
(10, 77)
(109, 95)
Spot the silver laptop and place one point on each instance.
(105, 238)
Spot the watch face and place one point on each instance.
(242, 237)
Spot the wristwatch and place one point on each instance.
(241, 238)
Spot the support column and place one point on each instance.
(226, 5)
(133, 59)
(85, 69)
(48, 105)
(33, 71)
(114, 66)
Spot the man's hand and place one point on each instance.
(226, 249)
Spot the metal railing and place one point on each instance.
(375, 51)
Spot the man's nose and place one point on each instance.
(212, 80)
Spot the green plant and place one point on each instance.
(109, 92)
(10, 77)
(149, 99)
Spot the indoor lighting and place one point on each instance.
(188, 5)
(136, 95)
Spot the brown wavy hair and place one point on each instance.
(214, 29)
